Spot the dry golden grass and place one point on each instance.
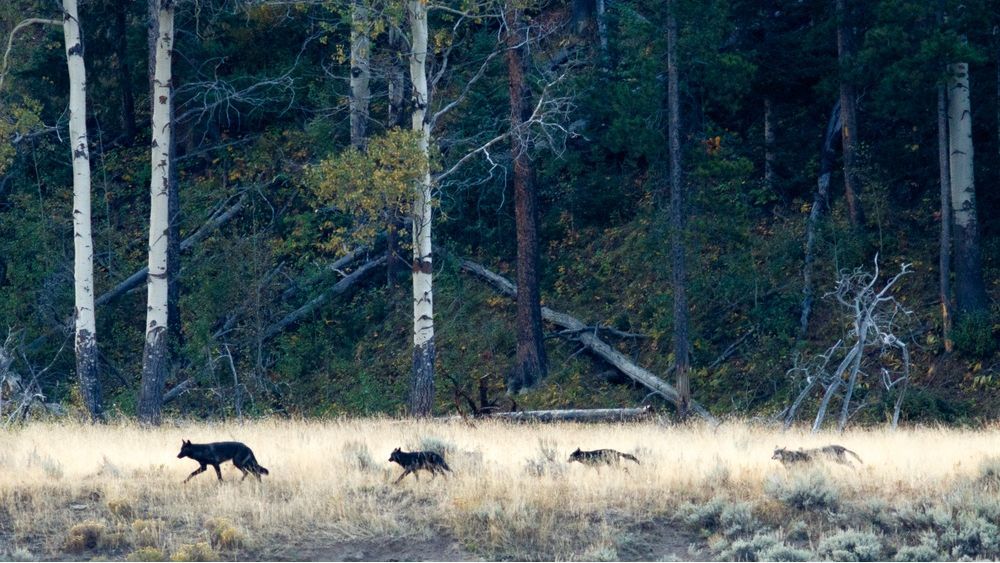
(512, 494)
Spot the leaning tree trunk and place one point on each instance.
(396, 117)
(360, 73)
(682, 362)
(530, 364)
(821, 200)
(83, 241)
(848, 111)
(944, 259)
(970, 293)
(422, 384)
(155, 359)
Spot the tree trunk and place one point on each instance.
(155, 361)
(848, 110)
(944, 261)
(124, 78)
(682, 362)
(396, 81)
(422, 384)
(360, 73)
(396, 86)
(821, 200)
(530, 365)
(770, 180)
(970, 293)
(602, 32)
(83, 242)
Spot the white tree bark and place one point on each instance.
(154, 364)
(422, 388)
(83, 242)
(970, 292)
(360, 72)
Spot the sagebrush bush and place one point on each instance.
(437, 445)
(147, 554)
(359, 457)
(927, 550)
(851, 545)
(750, 549)
(200, 551)
(989, 472)
(547, 461)
(782, 552)
(706, 517)
(223, 534)
(19, 554)
(85, 536)
(737, 519)
(972, 536)
(146, 533)
(121, 508)
(809, 490)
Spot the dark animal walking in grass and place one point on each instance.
(412, 462)
(832, 452)
(219, 452)
(600, 457)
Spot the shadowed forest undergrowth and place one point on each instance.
(115, 492)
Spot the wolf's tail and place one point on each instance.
(632, 457)
(258, 467)
(856, 456)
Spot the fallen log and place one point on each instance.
(569, 415)
(340, 287)
(591, 342)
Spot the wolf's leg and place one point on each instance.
(405, 473)
(244, 473)
(218, 472)
(195, 472)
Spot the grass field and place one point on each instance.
(114, 491)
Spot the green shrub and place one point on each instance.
(973, 335)
(851, 545)
(811, 490)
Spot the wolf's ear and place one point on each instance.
(396, 450)
(186, 442)
(577, 451)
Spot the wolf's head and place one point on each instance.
(394, 456)
(185, 449)
(575, 456)
(779, 453)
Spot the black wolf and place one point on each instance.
(833, 452)
(219, 452)
(412, 462)
(600, 457)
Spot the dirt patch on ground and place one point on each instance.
(440, 548)
(660, 540)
